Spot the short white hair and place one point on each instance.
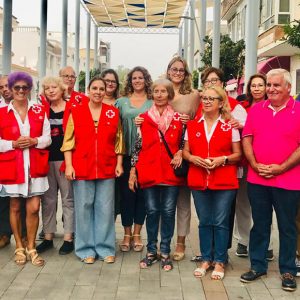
(282, 72)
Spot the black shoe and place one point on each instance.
(66, 248)
(241, 250)
(44, 246)
(41, 235)
(251, 276)
(270, 255)
(288, 282)
(197, 258)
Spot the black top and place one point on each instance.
(57, 135)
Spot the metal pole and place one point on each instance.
(185, 38)
(96, 61)
(88, 47)
(77, 41)
(192, 22)
(6, 40)
(216, 34)
(64, 37)
(202, 29)
(180, 42)
(251, 34)
(43, 38)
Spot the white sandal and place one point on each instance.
(218, 275)
(199, 272)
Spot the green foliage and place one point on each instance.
(195, 78)
(292, 33)
(81, 78)
(232, 56)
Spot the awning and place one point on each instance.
(273, 63)
(136, 13)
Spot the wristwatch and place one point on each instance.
(225, 161)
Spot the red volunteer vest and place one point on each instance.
(153, 165)
(221, 178)
(12, 161)
(94, 156)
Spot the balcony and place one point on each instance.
(227, 7)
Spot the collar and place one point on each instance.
(11, 107)
(289, 104)
(219, 119)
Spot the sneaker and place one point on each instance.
(66, 248)
(298, 267)
(44, 246)
(270, 255)
(241, 250)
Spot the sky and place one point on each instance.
(152, 51)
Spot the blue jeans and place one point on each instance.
(160, 204)
(285, 202)
(94, 218)
(213, 209)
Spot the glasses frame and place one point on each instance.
(18, 88)
(210, 99)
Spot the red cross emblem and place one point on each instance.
(198, 134)
(225, 126)
(78, 99)
(36, 109)
(177, 116)
(110, 114)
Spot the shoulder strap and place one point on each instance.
(165, 144)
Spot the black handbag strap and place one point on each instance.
(165, 144)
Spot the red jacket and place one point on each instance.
(76, 99)
(94, 156)
(153, 166)
(220, 144)
(12, 161)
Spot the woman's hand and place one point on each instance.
(200, 162)
(24, 142)
(235, 124)
(184, 118)
(177, 159)
(216, 162)
(70, 172)
(132, 182)
(138, 121)
(119, 170)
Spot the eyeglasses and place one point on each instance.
(210, 99)
(69, 77)
(175, 70)
(211, 81)
(17, 88)
(112, 82)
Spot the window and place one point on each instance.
(267, 14)
(284, 12)
(298, 82)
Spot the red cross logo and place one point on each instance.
(110, 114)
(225, 126)
(198, 134)
(36, 109)
(176, 116)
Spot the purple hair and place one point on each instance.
(19, 76)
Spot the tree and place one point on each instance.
(232, 56)
(292, 33)
(81, 78)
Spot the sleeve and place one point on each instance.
(235, 135)
(69, 138)
(248, 128)
(5, 145)
(240, 114)
(137, 148)
(120, 143)
(45, 140)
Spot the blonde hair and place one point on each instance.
(56, 80)
(225, 109)
(167, 84)
(186, 86)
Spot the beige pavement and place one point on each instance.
(65, 277)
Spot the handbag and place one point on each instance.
(183, 169)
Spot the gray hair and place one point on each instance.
(282, 72)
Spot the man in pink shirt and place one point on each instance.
(271, 139)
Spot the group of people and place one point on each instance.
(107, 154)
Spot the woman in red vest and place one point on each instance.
(93, 148)
(155, 171)
(213, 148)
(24, 135)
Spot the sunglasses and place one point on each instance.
(17, 88)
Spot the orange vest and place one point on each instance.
(220, 144)
(11, 162)
(94, 156)
(153, 166)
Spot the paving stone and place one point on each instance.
(237, 293)
(83, 292)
